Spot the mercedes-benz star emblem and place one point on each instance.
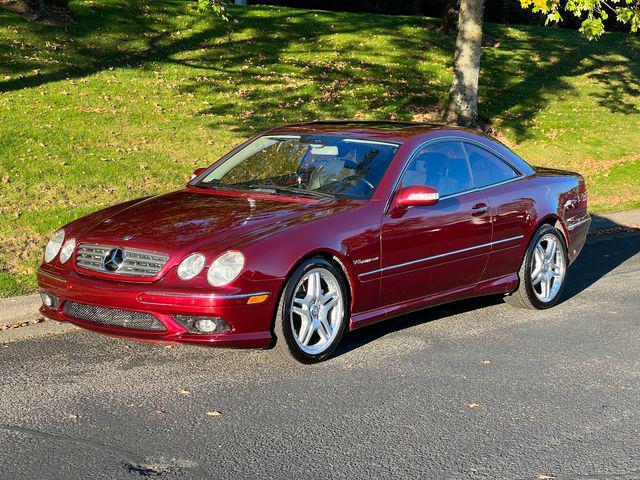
(114, 260)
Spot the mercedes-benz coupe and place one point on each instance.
(309, 230)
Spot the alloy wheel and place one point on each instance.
(548, 267)
(317, 311)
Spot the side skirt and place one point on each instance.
(493, 286)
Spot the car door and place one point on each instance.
(502, 184)
(430, 250)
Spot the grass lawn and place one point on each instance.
(133, 95)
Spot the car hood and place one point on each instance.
(194, 219)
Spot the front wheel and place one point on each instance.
(543, 271)
(312, 313)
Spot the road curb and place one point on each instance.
(47, 327)
(15, 311)
(630, 218)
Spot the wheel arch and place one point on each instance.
(552, 220)
(334, 258)
(555, 221)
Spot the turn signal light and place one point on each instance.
(257, 299)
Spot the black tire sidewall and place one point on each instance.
(531, 294)
(282, 324)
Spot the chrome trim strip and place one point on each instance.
(53, 277)
(571, 227)
(206, 295)
(372, 142)
(281, 136)
(441, 255)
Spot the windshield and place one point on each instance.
(314, 165)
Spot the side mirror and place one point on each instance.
(197, 172)
(417, 196)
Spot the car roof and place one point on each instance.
(397, 132)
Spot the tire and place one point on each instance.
(531, 289)
(306, 330)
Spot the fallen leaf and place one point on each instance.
(214, 413)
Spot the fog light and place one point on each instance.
(49, 301)
(207, 325)
(46, 299)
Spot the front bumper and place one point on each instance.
(250, 323)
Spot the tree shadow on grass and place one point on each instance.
(521, 77)
(301, 75)
(281, 65)
(104, 36)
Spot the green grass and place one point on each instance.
(133, 95)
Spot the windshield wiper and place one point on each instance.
(295, 191)
(216, 186)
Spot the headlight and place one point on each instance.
(53, 247)
(225, 268)
(191, 266)
(67, 250)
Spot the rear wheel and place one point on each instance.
(312, 313)
(543, 271)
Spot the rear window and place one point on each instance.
(486, 168)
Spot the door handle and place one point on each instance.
(479, 209)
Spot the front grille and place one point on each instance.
(113, 317)
(140, 263)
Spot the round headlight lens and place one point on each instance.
(191, 266)
(225, 268)
(67, 250)
(53, 247)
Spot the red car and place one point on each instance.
(307, 230)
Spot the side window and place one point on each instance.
(487, 169)
(442, 166)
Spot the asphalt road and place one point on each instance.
(471, 390)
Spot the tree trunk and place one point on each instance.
(463, 103)
(450, 17)
(36, 7)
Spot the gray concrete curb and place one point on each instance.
(17, 310)
(611, 220)
(48, 327)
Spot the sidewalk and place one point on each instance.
(610, 220)
(16, 311)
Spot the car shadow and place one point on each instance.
(607, 248)
(362, 336)
(601, 255)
